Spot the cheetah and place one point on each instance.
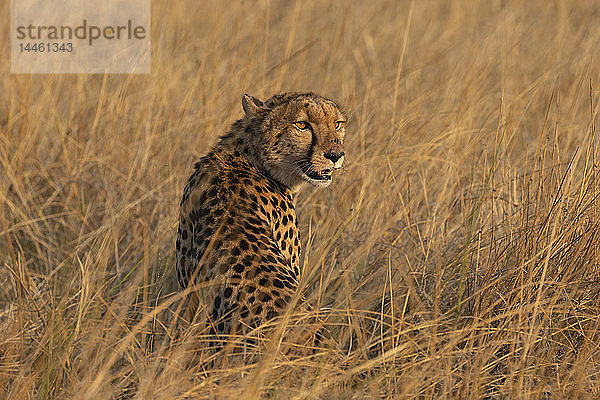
(238, 238)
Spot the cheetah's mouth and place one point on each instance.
(317, 175)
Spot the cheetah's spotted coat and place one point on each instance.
(238, 233)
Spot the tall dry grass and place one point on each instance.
(454, 257)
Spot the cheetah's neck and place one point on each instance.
(242, 138)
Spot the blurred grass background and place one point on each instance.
(456, 255)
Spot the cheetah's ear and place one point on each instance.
(251, 105)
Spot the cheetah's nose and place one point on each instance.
(334, 156)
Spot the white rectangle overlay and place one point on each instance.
(80, 36)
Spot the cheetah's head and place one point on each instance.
(299, 136)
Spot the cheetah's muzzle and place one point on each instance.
(319, 175)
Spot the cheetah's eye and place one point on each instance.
(339, 124)
(301, 125)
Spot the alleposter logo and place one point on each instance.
(80, 36)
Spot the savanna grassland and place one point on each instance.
(455, 256)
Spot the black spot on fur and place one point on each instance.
(244, 312)
(231, 260)
(212, 192)
(247, 261)
(239, 268)
(265, 297)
